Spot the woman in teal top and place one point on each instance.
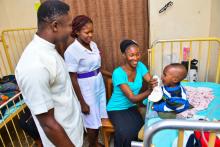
(127, 81)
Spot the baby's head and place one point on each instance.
(173, 74)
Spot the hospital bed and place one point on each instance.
(13, 41)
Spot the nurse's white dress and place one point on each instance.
(81, 60)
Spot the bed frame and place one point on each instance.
(10, 132)
(14, 41)
(207, 52)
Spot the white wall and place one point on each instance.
(187, 19)
(215, 19)
(215, 26)
(17, 13)
(4, 21)
(184, 19)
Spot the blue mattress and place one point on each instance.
(165, 138)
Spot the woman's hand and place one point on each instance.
(85, 108)
(133, 97)
(149, 90)
(153, 83)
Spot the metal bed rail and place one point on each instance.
(205, 50)
(181, 125)
(10, 132)
(14, 41)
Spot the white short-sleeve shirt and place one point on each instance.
(81, 60)
(45, 84)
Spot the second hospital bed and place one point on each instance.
(207, 52)
(14, 41)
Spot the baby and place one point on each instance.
(173, 98)
(170, 98)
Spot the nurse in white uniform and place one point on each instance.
(83, 60)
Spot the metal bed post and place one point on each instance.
(178, 124)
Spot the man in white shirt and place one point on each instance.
(44, 80)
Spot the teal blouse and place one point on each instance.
(118, 100)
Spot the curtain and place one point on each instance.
(115, 20)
